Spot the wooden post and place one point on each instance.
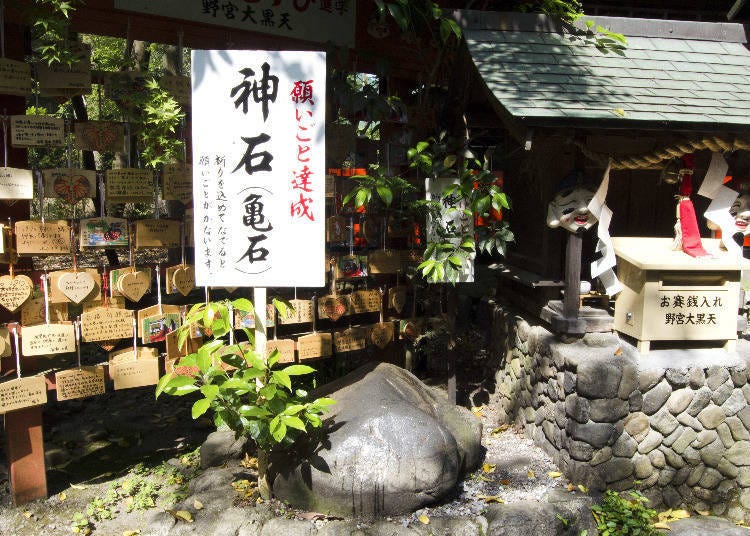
(571, 303)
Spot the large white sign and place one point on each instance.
(309, 20)
(259, 167)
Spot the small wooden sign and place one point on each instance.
(129, 374)
(384, 261)
(129, 185)
(156, 327)
(333, 307)
(314, 346)
(104, 233)
(72, 185)
(178, 87)
(76, 286)
(79, 383)
(285, 348)
(125, 355)
(134, 284)
(397, 297)
(56, 294)
(382, 334)
(47, 339)
(37, 131)
(153, 311)
(16, 183)
(66, 80)
(15, 78)
(302, 312)
(37, 238)
(5, 344)
(157, 234)
(351, 266)
(32, 312)
(171, 365)
(115, 302)
(180, 278)
(336, 229)
(191, 345)
(350, 340)
(22, 393)
(242, 320)
(14, 291)
(106, 323)
(364, 301)
(101, 136)
(177, 182)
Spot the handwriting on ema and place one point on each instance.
(37, 238)
(79, 383)
(46, 339)
(22, 393)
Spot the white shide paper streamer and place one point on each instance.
(721, 198)
(602, 267)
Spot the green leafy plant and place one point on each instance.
(81, 524)
(387, 187)
(243, 388)
(624, 514)
(161, 115)
(50, 28)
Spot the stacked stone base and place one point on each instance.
(675, 425)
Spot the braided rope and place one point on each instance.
(654, 159)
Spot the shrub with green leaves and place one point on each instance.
(626, 514)
(244, 389)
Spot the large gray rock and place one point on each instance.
(220, 447)
(705, 525)
(390, 445)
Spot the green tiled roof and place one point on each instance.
(670, 74)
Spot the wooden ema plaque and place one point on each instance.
(106, 324)
(126, 354)
(333, 307)
(74, 285)
(314, 345)
(364, 301)
(104, 233)
(172, 366)
(384, 261)
(32, 312)
(285, 348)
(14, 291)
(15, 78)
(133, 284)
(69, 184)
(350, 340)
(382, 334)
(5, 347)
(129, 185)
(129, 374)
(157, 234)
(77, 286)
(47, 339)
(397, 298)
(180, 278)
(99, 136)
(177, 182)
(178, 87)
(22, 393)
(79, 383)
(16, 183)
(154, 325)
(37, 131)
(37, 238)
(301, 312)
(191, 345)
(114, 302)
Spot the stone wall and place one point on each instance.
(674, 424)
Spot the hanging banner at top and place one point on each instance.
(309, 20)
(259, 168)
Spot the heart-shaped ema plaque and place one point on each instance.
(14, 291)
(334, 307)
(410, 329)
(397, 298)
(134, 285)
(382, 334)
(76, 286)
(184, 279)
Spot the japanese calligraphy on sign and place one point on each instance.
(258, 173)
(309, 20)
(694, 309)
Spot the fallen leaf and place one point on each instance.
(619, 112)
(62, 496)
(131, 532)
(424, 519)
(27, 514)
(618, 351)
(488, 468)
(662, 525)
(554, 474)
(477, 411)
(703, 512)
(505, 482)
(571, 488)
(491, 499)
(530, 473)
(500, 429)
(583, 488)
(183, 515)
(197, 504)
(483, 478)
(77, 486)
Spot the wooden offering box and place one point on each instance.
(671, 296)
